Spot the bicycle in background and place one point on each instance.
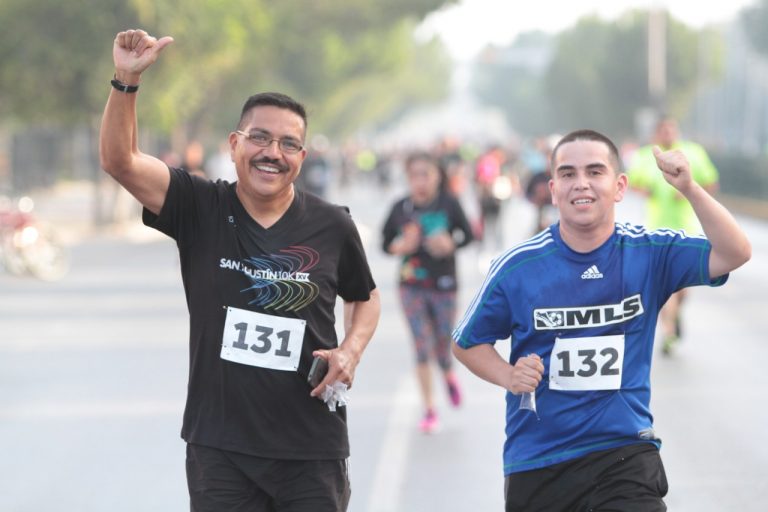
(27, 245)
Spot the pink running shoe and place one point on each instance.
(429, 424)
(454, 392)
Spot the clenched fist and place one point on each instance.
(134, 51)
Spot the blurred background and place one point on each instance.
(383, 76)
(93, 347)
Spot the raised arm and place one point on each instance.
(730, 245)
(144, 176)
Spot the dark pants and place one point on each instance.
(626, 479)
(224, 481)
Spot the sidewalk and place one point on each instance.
(71, 208)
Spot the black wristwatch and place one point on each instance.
(120, 86)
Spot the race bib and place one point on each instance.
(266, 341)
(586, 364)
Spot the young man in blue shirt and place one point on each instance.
(580, 302)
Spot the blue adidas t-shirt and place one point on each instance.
(591, 317)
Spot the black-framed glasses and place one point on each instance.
(263, 140)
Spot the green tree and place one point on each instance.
(351, 62)
(597, 76)
(50, 52)
(57, 58)
(512, 79)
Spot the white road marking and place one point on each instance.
(392, 465)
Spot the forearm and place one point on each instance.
(485, 362)
(118, 143)
(730, 246)
(360, 321)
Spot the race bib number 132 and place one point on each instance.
(582, 364)
(266, 341)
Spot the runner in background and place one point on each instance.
(667, 208)
(489, 168)
(425, 229)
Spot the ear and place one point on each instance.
(302, 155)
(622, 182)
(232, 145)
(552, 195)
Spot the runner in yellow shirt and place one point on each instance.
(667, 208)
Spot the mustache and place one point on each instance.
(271, 161)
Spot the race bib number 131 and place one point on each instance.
(582, 364)
(266, 341)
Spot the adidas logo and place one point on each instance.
(592, 273)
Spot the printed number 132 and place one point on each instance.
(588, 359)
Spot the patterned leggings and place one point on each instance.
(430, 314)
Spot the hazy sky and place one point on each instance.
(468, 27)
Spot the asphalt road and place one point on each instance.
(93, 377)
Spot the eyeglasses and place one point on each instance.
(264, 140)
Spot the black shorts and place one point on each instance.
(626, 479)
(221, 480)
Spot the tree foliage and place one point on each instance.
(596, 76)
(337, 56)
(511, 79)
(50, 52)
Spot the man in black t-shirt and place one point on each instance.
(262, 265)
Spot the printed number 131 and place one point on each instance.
(263, 342)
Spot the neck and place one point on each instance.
(666, 147)
(585, 240)
(267, 211)
(424, 201)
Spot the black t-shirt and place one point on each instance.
(421, 268)
(295, 269)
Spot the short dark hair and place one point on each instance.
(273, 99)
(586, 134)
